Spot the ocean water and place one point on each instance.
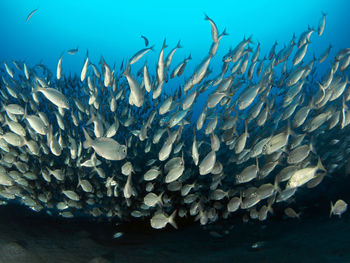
(32, 226)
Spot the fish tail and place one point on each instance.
(36, 88)
(331, 212)
(249, 40)
(298, 215)
(171, 219)
(2, 107)
(87, 143)
(312, 149)
(164, 44)
(224, 33)
(161, 198)
(311, 28)
(270, 209)
(257, 163)
(178, 44)
(289, 129)
(91, 119)
(276, 185)
(126, 70)
(320, 165)
(25, 113)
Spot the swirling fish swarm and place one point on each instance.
(118, 145)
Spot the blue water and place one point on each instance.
(113, 28)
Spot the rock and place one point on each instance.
(15, 253)
(99, 260)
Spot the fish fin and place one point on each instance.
(331, 212)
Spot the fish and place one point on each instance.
(291, 213)
(160, 64)
(249, 173)
(214, 29)
(71, 195)
(304, 175)
(136, 96)
(160, 220)
(85, 66)
(207, 164)
(139, 55)
(59, 67)
(325, 54)
(31, 14)
(106, 147)
(169, 57)
(151, 199)
(9, 70)
(55, 96)
(338, 208)
(321, 24)
(118, 235)
(298, 154)
(180, 68)
(73, 51)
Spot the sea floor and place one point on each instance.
(27, 238)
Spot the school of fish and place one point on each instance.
(123, 144)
